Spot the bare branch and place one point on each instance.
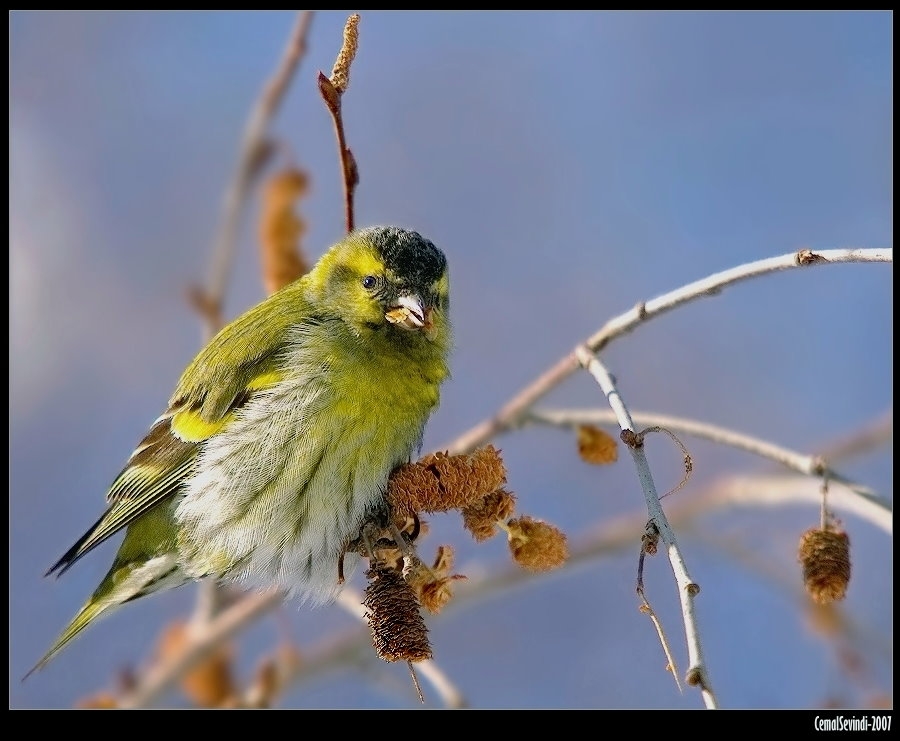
(332, 90)
(873, 435)
(697, 673)
(510, 415)
(152, 683)
(811, 465)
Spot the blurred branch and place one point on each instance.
(779, 490)
(332, 90)
(811, 465)
(615, 535)
(870, 437)
(254, 152)
(160, 677)
(510, 415)
(697, 673)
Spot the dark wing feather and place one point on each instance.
(154, 473)
(238, 362)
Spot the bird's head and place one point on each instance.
(385, 278)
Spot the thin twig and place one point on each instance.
(811, 465)
(649, 545)
(825, 514)
(697, 673)
(511, 413)
(332, 90)
(647, 608)
(869, 437)
(686, 458)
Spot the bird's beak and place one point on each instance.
(409, 314)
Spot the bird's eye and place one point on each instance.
(369, 282)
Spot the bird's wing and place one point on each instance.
(155, 472)
(241, 359)
(210, 392)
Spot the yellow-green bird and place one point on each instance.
(278, 441)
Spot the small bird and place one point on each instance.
(281, 434)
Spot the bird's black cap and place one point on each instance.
(407, 254)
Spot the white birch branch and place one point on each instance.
(811, 465)
(510, 415)
(697, 673)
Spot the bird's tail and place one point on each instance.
(123, 583)
(90, 612)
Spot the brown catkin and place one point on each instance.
(100, 701)
(210, 683)
(340, 73)
(440, 482)
(537, 545)
(432, 585)
(825, 556)
(409, 486)
(480, 518)
(280, 229)
(398, 631)
(597, 446)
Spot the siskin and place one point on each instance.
(281, 434)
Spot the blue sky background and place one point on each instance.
(570, 165)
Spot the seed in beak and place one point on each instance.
(408, 313)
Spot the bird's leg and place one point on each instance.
(341, 578)
(382, 541)
(400, 539)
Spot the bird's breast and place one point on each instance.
(278, 494)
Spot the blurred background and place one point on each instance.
(570, 165)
